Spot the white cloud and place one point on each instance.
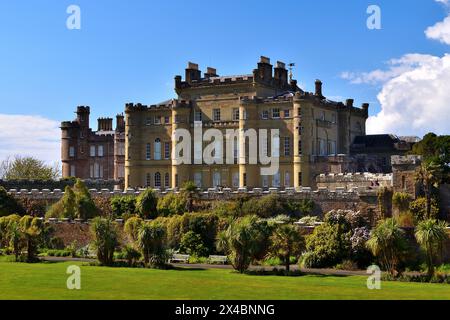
(440, 31)
(29, 135)
(417, 101)
(415, 92)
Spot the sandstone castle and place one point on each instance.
(316, 135)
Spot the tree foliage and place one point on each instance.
(286, 242)
(28, 168)
(431, 235)
(146, 204)
(105, 240)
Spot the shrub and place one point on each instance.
(105, 240)
(146, 204)
(192, 244)
(286, 241)
(151, 242)
(329, 245)
(131, 255)
(8, 205)
(132, 226)
(171, 204)
(401, 201)
(418, 208)
(123, 206)
(388, 244)
(242, 241)
(76, 203)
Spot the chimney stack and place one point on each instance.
(319, 89)
(193, 73)
(349, 103)
(211, 72)
(281, 74)
(120, 122)
(105, 124)
(264, 70)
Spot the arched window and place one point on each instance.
(148, 180)
(158, 149)
(167, 180)
(157, 180)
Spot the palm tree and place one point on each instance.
(15, 238)
(105, 240)
(151, 242)
(190, 191)
(387, 244)
(286, 242)
(431, 235)
(241, 242)
(429, 176)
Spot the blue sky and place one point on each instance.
(130, 51)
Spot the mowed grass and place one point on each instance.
(48, 281)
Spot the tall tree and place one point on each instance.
(429, 176)
(190, 191)
(151, 242)
(431, 235)
(286, 241)
(28, 168)
(388, 244)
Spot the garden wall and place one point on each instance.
(325, 200)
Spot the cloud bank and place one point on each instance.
(28, 135)
(415, 90)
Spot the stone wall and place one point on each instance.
(325, 199)
(354, 180)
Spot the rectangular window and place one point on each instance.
(148, 180)
(331, 147)
(198, 179)
(216, 115)
(265, 115)
(322, 148)
(276, 180)
(236, 114)
(148, 121)
(167, 120)
(167, 180)
(100, 151)
(245, 179)
(333, 118)
(198, 116)
(287, 113)
(72, 171)
(299, 147)
(265, 181)
(157, 120)
(92, 151)
(177, 119)
(287, 179)
(275, 113)
(236, 180)
(167, 150)
(148, 151)
(91, 171)
(287, 146)
(322, 117)
(72, 152)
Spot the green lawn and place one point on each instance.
(48, 281)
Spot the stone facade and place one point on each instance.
(311, 128)
(404, 174)
(88, 154)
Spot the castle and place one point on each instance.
(315, 134)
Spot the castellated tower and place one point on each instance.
(88, 154)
